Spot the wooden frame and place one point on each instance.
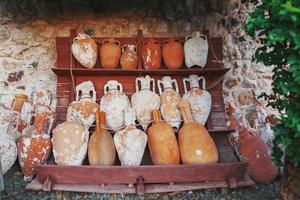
(147, 178)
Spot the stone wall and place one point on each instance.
(28, 30)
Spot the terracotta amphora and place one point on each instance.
(84, 50)
(101, 149)
(162, 142)
(113, 103)
(83, 109)
(256, 153)
(70, 140)
(151, 54)
(8, 147)
(195, 144)
(131, 141)
(145, 100)
(110, 53)
(198, 98)
(169, 98)
(129, 57)
(34, 147)
(173, 53)
(196, 50)
(42, 101)
(25, 116)
(19, 101)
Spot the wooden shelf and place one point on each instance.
(229, 175)
(138, 72)
(148, 188)
(226, 131)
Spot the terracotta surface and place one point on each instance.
(70, 141)
(8, 147)
(84, 108)
(25, 116)
(198, 98)
(101, 149)
(19, 101)
(34, 147)
(169, 98)
(42, 101)
(195, 144)
(110, 53)
(196, 50)
(151, 54)
(129, 57)
(173, 53)
(131, 141)
(113, 103)
(256, 153)
(145, 100)
(162, 142)
(84, 50)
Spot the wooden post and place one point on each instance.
(47, 185)
(139, 47)
(140, 188)
(231, 181)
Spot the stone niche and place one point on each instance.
(28, 30)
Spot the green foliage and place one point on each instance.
(276, 25)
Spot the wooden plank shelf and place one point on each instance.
(137, 72)
(164, 178)
(150, 173)
(149, 188)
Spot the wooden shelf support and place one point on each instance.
(140, 187)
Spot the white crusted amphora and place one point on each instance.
(199, 99)
(84, 49)
(113, 103)
(169, 98)
(130, 142)
(8, 148)
(145, 100)
(196, 50)
(83, 109)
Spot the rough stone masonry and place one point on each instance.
(28, 30)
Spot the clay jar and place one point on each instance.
(19, 101)
(84, 49)
(172, 53)
(84, 108)
(70, 141)
(256, 153)
(113, 103)
(145, 100)
(8, 147)
(129, 58)
(110, 53)
(41, 101)
(34, 147)
(101, 149)
(162, 142)
(198, 98)
(130, 142)
(25, 116)
(168, 101)
(151, 54)
(195, 144)
(196, 50)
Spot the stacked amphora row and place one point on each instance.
(172, 51)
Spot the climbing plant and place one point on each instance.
(275, 24)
